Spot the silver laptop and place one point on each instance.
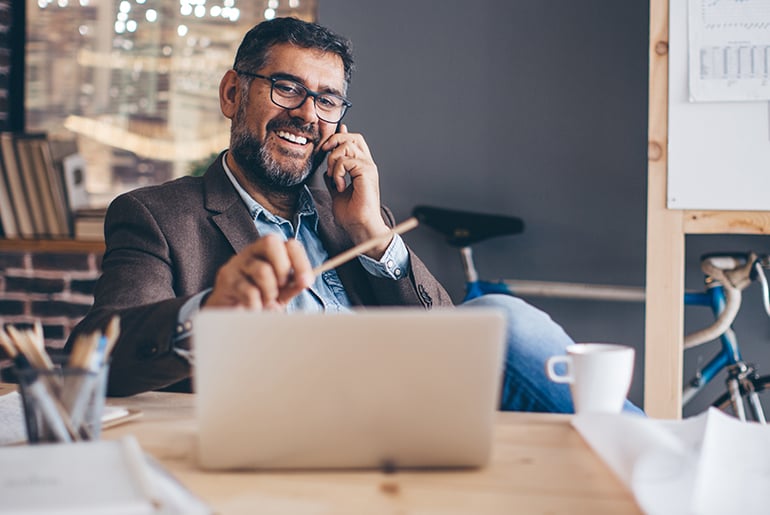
(381, 388)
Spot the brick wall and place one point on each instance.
(54, 288)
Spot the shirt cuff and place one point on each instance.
(394, 264)
(184, 325)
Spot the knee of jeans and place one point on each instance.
(515, 310)
(528, 328)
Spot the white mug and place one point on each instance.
(599, 375)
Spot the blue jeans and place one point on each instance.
(532, 337)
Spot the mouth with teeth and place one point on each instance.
(293, 138)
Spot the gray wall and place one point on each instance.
(532, 109)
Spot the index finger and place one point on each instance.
(302, 271)
(331, 142)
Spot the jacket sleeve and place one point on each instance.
(417, 288)
(137, 284)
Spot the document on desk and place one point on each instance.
(75, 478)
(12, 430)
(90, 478)
(701, 465)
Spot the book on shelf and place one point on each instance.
(7, 216)
(44, 183)
(36, 164)
(89, 223)
(16, 188)
(44, 158)
(32, 186)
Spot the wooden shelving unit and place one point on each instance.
(666, 231)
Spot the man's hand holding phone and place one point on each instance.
(354, 184)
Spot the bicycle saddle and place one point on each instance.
(463, 228)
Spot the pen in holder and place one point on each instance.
(62, 402)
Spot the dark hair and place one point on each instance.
(253, 50)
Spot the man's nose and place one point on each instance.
(306, 110)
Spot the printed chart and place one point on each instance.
(729, 50)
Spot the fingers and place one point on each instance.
(341, 170)
(349, 155)
(265, 275)
(302, 276)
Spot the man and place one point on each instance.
(249, 232)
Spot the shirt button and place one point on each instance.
(389, 264)
(179, 329)
(397, 272)
(188, 325)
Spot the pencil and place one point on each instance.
(26, 344)
(344, 257)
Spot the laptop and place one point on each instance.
(382, 388)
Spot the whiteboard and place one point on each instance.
(718, 152)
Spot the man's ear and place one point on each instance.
(228, 94)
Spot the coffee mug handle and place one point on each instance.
(550, 369)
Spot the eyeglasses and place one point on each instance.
(290, 94)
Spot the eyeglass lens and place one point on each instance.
(290, 95)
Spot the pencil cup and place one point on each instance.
(63, 404)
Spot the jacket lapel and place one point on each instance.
(334, 239)
(228, 212)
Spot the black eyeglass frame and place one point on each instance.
(308, 93)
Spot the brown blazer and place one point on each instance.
(165, 244)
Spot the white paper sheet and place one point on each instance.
(709, 464)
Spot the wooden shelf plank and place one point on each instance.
(42, 246)
(727, 222)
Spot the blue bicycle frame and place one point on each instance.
(713, 297)
(477, 288)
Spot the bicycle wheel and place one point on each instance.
(761, 384)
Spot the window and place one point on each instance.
(134, 83)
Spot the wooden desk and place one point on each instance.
(540, 464)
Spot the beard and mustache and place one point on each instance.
(258, 162)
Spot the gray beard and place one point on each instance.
(261, 168)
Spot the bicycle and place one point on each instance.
(726, 275)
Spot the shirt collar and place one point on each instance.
(306, 209)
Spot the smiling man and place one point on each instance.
(250, 231)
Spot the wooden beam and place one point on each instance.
(664, 317)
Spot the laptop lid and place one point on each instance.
(386, 387)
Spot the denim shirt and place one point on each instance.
(327, 293)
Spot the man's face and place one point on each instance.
(275, 146)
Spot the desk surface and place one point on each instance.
(540, 464)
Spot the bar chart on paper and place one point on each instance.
(729, 50)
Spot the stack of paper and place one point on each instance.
(709, 464)
(90, 478)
